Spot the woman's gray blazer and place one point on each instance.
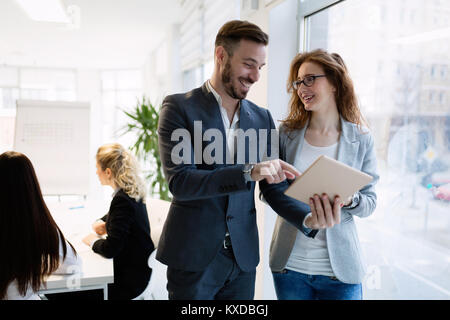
(355, 149)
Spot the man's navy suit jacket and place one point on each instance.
(211, 199)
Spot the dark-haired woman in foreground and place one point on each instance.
(31, 244)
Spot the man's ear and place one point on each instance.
(221, 55)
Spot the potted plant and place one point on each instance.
(144, 124)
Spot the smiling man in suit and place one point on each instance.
(210, 238)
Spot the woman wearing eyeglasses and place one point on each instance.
(324, 119)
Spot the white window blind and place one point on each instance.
(202, 20)
(217, 12)
(9, 77)
(191, 34)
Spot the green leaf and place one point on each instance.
(143, 123)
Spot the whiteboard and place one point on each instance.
(55, 137)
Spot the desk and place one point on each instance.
(75, 220)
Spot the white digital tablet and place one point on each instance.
(327, 175)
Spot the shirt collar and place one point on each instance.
(214, 92)
(219, 101)
(115, 192)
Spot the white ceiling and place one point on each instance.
(113, 34)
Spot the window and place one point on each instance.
(121, 90)
(8, 98)
(433, 71)
(193, 78)
(202, 21)
(47, 84)
(399, 66)
(444, 71)
(30, 83)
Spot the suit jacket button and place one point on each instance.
(229, 218)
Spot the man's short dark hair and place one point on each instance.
(234, 31)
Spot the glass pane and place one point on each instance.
(34, 94)
(398, 55)
(127, 99)
(108, 106)
(192, 78)
(65, 95)
(129, 79)
(47, 79)
(9, 77)
(6, 133)
(208, 69)
(8, 98)
(63, 80)
(108, 80)
(121, 120)
(161, 60)
(48, 84)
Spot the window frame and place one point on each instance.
(307, 8)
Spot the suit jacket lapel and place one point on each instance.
(245, 116)
(246, 123)
(211, 109)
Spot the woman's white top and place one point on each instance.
(70, 265)
(310, 255)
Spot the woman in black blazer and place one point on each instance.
(126, 225)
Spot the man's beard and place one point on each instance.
(226, 79)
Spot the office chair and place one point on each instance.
(156, 289)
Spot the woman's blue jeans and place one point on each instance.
(291, 285)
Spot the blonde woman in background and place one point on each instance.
(126, 224)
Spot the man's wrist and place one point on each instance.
(247, 170)
(304, 221)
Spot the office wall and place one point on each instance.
(162, 69)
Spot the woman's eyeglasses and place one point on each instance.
(308, 81)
